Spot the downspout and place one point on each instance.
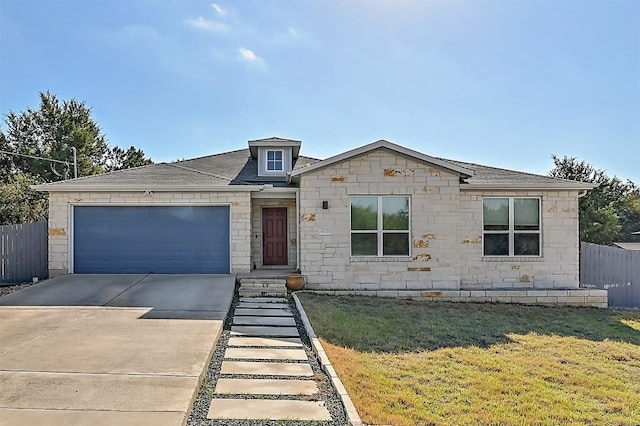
(298, 230)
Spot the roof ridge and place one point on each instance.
(209, 155)
(200, 171)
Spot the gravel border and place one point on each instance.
(12, 288)
(327, 392)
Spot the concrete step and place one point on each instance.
(280, 321)
(263, 300)
(264, 306)
(264, 331)
(293, 342)
(266, 387)
(253, 281)
(261, 292)
(266, 354)
(256, 409)
(286, 312)
(266, 368)
(263, 283)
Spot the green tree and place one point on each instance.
(118, 159)
(51, 131)
(608, 212)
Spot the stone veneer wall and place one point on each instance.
(256, 229)
(240, 204)
(446, 232)
(558, 266)
(325, 259)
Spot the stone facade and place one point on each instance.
(446, 232)
(556, 268)
(60, 206)
(257, 204)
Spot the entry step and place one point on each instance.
(257, 409)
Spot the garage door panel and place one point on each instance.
(145, 239)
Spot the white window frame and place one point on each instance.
(266, 158)
(379, 231)
(512, 231)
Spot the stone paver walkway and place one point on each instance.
(265, 359)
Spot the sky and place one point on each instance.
(502, 83)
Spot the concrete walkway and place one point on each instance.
(108, 350)
(265, 357)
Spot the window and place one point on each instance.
(274, 160)
(380, 226)
(511, 226)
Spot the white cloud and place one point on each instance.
(250, 56)
(219, 10)
(247, 54)
(207, 25)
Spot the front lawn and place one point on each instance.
(417, 363)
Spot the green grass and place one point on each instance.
(416, 363)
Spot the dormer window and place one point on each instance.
(274, 160)
(275, 157)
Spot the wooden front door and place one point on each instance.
(274, 236)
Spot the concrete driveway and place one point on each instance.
(108, 349)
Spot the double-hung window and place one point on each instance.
(274, 160)
(511, 226)
(380, 226)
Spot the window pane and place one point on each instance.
(364, 244)
(395, 244)
(395, 213)
(495, 214)
(526, 244)
(270, 155)
(496, 244)
(278, 155)
(526, 214)
(364, 213)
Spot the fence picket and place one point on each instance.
(23, 252)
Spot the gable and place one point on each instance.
(397, 149)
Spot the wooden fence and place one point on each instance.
(23, 252)
(612, 269)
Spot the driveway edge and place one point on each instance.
(352, 414)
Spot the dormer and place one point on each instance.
(275, 156)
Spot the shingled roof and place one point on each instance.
(237, 170)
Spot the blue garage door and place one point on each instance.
(141, 239)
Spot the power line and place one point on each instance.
(75, 159)
(34, 157)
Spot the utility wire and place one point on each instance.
(34, 157)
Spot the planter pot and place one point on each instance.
(295, 282)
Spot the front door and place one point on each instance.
(274, 236)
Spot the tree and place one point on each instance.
(118, 159)
(608, 212)
(51, 132)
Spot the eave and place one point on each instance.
(578, 186)
(149, 187)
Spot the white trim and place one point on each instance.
(560, 186)
(511, 231)
(388, 145)
(379, 231)
(266, 161)
(71, 223)
(139, 187)
(298, 231)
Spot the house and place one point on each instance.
(380, 218)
